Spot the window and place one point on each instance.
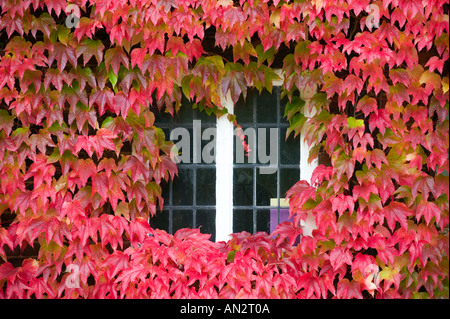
(220, 189)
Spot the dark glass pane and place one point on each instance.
(206, 186)
(183, 187)
(283, 102)
(206, 220)
(266, 188)
(161, 116)
(184, 114)
(243, 186)
(182, 219)
(289, 149)
(165, 191)
(242, 220)
(288, 177)
(266, 107)
(263, 220)
(244, 109)
(160, 220)
(166, 133)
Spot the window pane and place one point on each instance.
(206, 186)
(242, 220)
(182, 219)
(266, 107)
(243, 186)
(244, 109)
(160, 220)
(290, 148)
(184, 114)
(288, 177)
(165, 187)
(182, 187)
(263, 220)
(283, 102)
(266, 188)
(206, 220)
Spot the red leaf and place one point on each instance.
(103, 139)
(89, 48)
(339, 257)
(311, 285)
(234, 82)
(100, 185)
(343, 202)
(367, 105)
(137, 168)
(399, 93)
(115, 263)
(62, 53)
(139, 230)
(397, 212)
(287, 230)
(300, 193)
(85, 169)
(114, 57)
(423, 183)
(363, 262)
(428, 210)
(380, 119)
(108, 164)
(320, 173)
(353, 82)
(194, 49)
(435, 63)
(376, 157)
(103, 98)
(349, 290)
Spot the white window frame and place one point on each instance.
(224, 166)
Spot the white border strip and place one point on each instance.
(224, 173)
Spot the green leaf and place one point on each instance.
(269, 77)
(243, 52)
(265, 55)
(294, 106)
(353, 123)
(296, 124)
(230, 257)
(112, 77)
(107, 122)
(89, 48)
(6, 121)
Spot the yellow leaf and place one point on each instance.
(275, 18)
(445, 84)
(430, 78)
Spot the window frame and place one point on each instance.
(225, 139)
